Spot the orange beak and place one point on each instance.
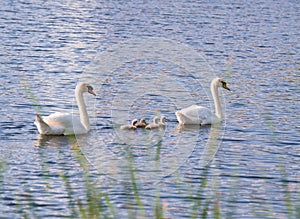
(225, 87)
(92, 92)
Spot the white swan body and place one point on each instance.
(199, 115)
(196, 115)
(67, 123)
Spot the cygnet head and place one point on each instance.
(163, 119)
(155, 120)
(134, 122)
(143, 120)
(141, 124)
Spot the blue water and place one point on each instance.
(145, 59)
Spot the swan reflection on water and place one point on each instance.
(214, 138)
(59, 140)
(154, 156)
(180, 128)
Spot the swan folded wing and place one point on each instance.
(59, 119)
(195, 115)
(192, 110)
(70, 123)
(203, 115)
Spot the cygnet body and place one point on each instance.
(155, 123)
(130, 126)
(141, 124)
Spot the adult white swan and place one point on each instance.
(67, 123)
(195, 115)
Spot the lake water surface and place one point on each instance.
(145, 59)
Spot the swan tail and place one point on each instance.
(41, 125)
(180, 117)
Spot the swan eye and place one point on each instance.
(90, 90)
(89, 87)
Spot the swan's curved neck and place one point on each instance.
(84, 119)
(214, 91)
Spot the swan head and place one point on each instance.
(221, 83)
(84, 87)
(91, 90)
